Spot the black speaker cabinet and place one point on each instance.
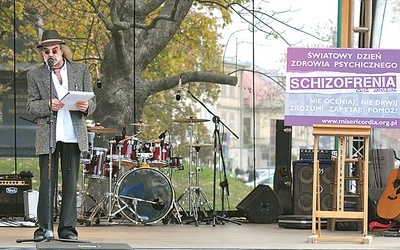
(283, 173)
(261, 205)
(11, 196)
(303, 185)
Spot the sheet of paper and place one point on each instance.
(72, 97)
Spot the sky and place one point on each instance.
(307, 15)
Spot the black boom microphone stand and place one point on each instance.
(48, 232)
(218, 146)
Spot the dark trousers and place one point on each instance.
(70, 162)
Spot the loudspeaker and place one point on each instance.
(303, 185)
(261, 205)
(73, 245)
(11, 196)
(283, 173)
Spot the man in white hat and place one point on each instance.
(69, 132)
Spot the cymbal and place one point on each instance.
(141, 124)
(102, 130)
(190, 120)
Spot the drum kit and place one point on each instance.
(137, 188)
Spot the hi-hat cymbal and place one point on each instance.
(190, 120)
(102, 130)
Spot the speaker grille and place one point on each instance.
(303, 184)
(11, 196)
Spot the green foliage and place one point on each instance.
(77, 23)
(193, 48)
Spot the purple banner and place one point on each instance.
(371, 61)
(343, 86)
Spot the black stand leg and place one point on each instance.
(224, 184)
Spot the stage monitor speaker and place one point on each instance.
(11, 196)
(80, 245)
(303, 185)
(261, 205)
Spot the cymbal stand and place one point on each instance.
(187, 193)
(217, 140)
(198, 191)
(193, 194)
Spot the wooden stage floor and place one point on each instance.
(204, 236)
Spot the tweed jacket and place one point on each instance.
(38, 104)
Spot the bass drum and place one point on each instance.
(145, 195)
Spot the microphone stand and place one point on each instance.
(48, 232)
(224, 184)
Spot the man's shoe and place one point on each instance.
(70, 237)
(38, 234)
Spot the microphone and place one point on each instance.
(162, 135)
(124, 131)
(178, 93)
(158, 205)
(98, 82)
(50, 62)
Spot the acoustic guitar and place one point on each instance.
(389, 202)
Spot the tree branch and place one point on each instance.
(109, 25)
(143, 8)
(195, 76)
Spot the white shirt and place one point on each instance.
(64, 129)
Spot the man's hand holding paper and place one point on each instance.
(77, 100)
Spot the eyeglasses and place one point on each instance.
(53, 50)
